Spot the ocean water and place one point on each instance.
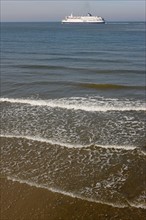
(73, 109)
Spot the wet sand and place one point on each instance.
(20, 201)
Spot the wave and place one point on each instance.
(73, 195)
(81, 69)
(41, 67)
(43, 140)
(67, 145)
(119, 22)
(81, 191)
(109, 86)
(84, 104)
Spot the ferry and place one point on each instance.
(84, 19)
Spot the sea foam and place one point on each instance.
(84, 104)
(67, 145)
(73, 195)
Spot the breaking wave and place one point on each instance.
(55, 190)
(67, 145)
(85, 104)
(65, 192)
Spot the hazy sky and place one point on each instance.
(46, 10)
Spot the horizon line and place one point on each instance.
(60, 21)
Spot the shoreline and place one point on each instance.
(21, 201)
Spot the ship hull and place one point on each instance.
(83, 22)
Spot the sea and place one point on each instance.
(73, 109)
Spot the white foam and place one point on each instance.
(67, 145)
(73, 195)
(80, 103)
(127, 147)
(43, 140)
(65, 193)
(142, 206)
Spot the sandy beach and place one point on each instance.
(23, 202)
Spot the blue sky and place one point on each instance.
(56, 10)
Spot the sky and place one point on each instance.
(56, 10)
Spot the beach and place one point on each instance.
(21, 201)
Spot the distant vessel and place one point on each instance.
(84, 19)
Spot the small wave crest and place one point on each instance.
(67, 145)
(41, 67)
(73, 195)
(90, 104)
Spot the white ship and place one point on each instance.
(84, 19)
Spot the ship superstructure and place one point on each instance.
(83, 19)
